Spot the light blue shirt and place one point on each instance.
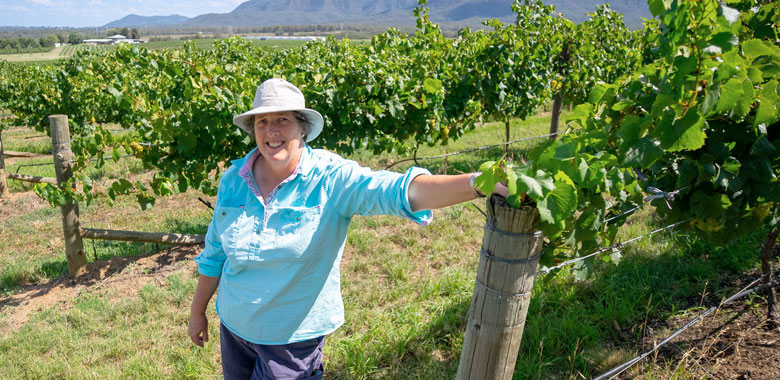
(278, 260)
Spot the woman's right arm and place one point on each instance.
(198, 327)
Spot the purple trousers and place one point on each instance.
(246, 360)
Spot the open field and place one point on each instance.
(66, 51)
(406, 290)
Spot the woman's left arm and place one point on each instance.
(428, 192)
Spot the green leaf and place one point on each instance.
(711, 100)
(432, 85)
(767, 110)
(659, 7)
(756, 48)
(683, 134)
(601, 93)
(615, 256)
(116, 93)
(687, 172)
(762, 148)
(582, 269)
(644, 153)
(560, 203)
(536, 187)
(565, 151)
(730, 95)
(725, 40)
(115, 154)
(492, 173)
(145, 201)
(631, 128)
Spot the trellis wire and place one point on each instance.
(26, 165)
(657, 194)
(472, 150)
(613, 246)
(623, 367)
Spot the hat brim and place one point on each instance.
(246, 119)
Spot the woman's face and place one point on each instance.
(279, 137)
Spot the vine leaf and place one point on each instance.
(685, 133)
(558, 205)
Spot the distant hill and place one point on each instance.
(146, 21)
(378, 13)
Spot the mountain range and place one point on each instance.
(377, 13)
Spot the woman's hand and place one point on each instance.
(501, 190)
(199, 328)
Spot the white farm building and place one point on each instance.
(113, 40)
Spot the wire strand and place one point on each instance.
(613, 246)
(472, 150)
(623, 367)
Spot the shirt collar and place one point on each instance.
(305, 164)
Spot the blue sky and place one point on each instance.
(79, 13)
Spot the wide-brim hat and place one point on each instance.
(279, 95)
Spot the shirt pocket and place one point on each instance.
(229, 222)
(295, 228)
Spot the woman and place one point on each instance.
(278, 232)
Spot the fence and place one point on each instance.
(71, 226)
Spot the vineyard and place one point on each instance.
(681, 116)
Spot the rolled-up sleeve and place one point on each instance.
(359, 190)
(212, 258)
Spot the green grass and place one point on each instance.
(406, 290)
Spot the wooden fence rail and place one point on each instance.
(10, 153)
(31, 178)
(145, 237)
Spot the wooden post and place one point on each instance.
(3, 182)
(556, 115)
(60, 149)
(505, 278)
(766, 274)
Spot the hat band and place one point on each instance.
(279, 102)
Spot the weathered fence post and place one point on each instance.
(3, 181)
(505, 278)
(63, 156)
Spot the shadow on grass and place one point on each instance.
(102, 251)
(576, 329)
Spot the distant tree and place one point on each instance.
(134, 33)
(74, 38)
(49, 41)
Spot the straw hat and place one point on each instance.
(279, 95)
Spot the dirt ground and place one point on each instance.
(737, 341)
(120, 275)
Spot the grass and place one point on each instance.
(406, 290)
